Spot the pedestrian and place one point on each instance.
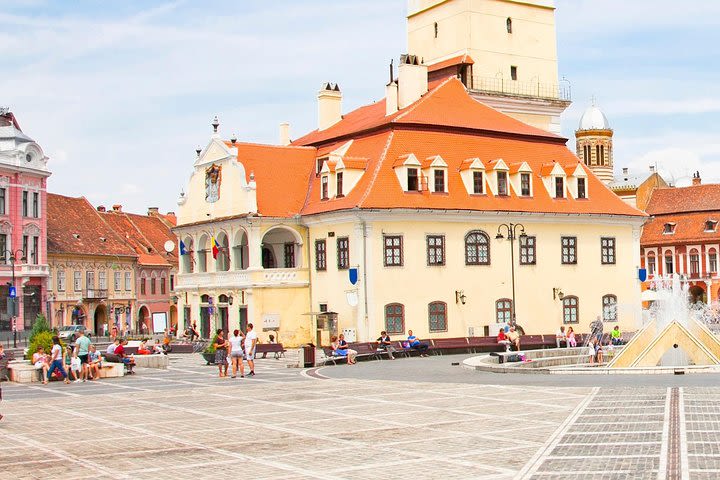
(193, 332)
(56, 360)
(82, 349)
(221, 353)
(250, 344)
(236, 353)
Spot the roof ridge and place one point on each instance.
(378, 167)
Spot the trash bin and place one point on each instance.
(308, 359)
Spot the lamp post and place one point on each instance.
(511, 229)
(13, 256)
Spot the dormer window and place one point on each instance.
(502, 184)
(439, 177)
(478, 183)
(339, 184)
(412, 180)
(324, 193)
(525, 184)
(581, 193)
(319, 166)
(669, 228)
(559, 187)
(711, 226)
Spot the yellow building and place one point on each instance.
(390, 215)
(504, 51)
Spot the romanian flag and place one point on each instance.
(215, 249)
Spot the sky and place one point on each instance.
(120, 93)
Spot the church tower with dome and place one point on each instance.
(594, 143)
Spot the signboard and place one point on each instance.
(642, 274)
(159, 322)
(12, 292)
(271, 321)
(353, 274)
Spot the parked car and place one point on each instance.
(69, 333)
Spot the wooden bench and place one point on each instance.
(112, 358)
(451, 344)
(329, 357)
(181, 348)
(265, 348)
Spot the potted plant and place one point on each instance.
(209, 352)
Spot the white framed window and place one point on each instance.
(128, 281)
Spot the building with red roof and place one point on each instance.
(393, 218)
(682, 237)
(109, 270)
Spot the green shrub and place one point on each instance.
(41, 325)
(211, 346)
(43, 339)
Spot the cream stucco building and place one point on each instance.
(389, 215)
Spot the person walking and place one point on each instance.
(236, 353)
(250, 344)
(82, 349)
(56, 360)
(221, 353)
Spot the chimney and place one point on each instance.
(652, 168)
(117, 208)
(696, 179)
(625, 171)
(412, 80)
(391, 98)
(329, 105)
(284, 133)
(153, 211)
(101, 208)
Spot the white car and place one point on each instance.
(69, 333)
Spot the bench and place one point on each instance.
(446, 344)
(181, 348)
(329, 357)
(112, 358)
(265, 348)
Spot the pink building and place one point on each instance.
(23, 223)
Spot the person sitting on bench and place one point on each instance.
(128, 361)
(502, 340)
(514, 338)
(385, 344)
(416, 344)
(340, 349)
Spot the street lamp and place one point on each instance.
(512, 229)
(13, 256)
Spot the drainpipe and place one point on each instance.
(313, 318)
(365, 283)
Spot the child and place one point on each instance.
(75, 365)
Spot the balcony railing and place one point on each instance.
(243, 278)
(95, 293)
(521, 89)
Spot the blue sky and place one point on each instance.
(120, 94)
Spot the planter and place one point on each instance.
(209, 358)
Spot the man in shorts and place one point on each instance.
(250, 343)
(82, 349)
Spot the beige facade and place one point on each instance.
(415, 284)
(92, 290)
(513, 45)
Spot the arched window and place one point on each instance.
(503, 310)
(188, 262)
(669, 267)
(477, 248)
(602, 155)
(222, 259)
(223, 299)
(597, 155)
(395, 318)
(694, 262)
(437, 316)
(571, 309)
(651, 263)
(609, 308)
(508, 23)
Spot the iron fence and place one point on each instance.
(521, 89)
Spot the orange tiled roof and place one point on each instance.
(281, 175)
(447, 122)
(689, 228)
(75, 227)
(697, 198)
(451, 62)
(446, 105)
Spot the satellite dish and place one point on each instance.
(169, 246)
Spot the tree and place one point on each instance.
(41, 325)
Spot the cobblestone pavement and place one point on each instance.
(283, 424)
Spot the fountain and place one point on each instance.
(676, 334)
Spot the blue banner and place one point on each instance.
(353, 273)
(642, 274)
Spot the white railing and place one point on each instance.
(243, 279)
